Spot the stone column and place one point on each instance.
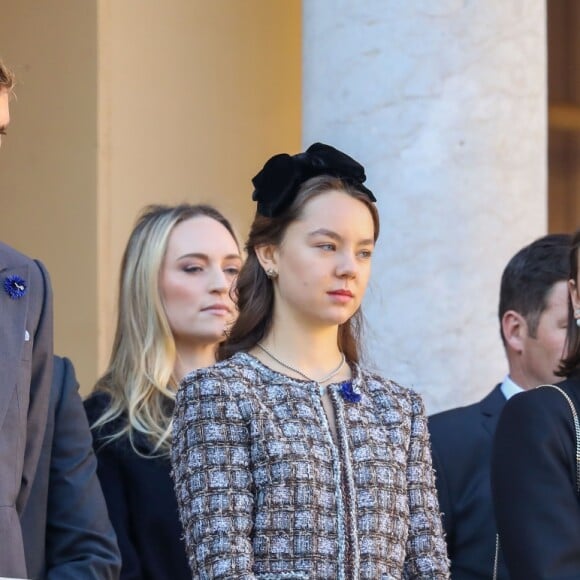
(444, 102)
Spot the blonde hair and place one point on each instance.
(6, 77)
(139, 379)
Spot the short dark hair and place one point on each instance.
(571, 363)
(530, 275)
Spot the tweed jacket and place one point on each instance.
(265, 492)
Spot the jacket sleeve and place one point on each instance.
(533, 485)
(426, 550)
(80, 541)
(213, 483)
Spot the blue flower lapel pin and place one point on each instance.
(350, 393)
(15, 287)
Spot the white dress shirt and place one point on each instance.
(509, 388)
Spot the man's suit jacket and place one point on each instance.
(461, 441)
(25, 377)
(66, 527)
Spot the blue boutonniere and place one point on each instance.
(348, 393)
(15, 287)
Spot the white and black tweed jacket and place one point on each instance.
(265, 493)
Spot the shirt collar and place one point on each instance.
(509, 388)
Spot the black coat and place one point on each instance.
(142, 505)
(461, 442)
(534, 485)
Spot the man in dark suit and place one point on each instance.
(66, 528)
(26, 372)
(533, 318)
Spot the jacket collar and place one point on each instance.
(491, 407)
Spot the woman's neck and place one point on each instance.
(312, 351)
(190, 358)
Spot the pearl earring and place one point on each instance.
(577, 316)
(271, 273)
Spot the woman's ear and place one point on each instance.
(515, 330)
(268, 257)
(574, 297)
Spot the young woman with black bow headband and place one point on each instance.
(289, 459)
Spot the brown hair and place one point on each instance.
(255, 291)
(6, 77)
(571, 363)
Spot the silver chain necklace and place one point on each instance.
(319, 382)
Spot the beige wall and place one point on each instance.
(48, 164)
(193, 97)
(170, 101)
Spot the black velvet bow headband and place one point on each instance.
(277, 184)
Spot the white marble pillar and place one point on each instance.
(444, 102)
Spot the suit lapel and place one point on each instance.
(12, 331)
(491, 407)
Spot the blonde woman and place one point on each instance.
(174, 308)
